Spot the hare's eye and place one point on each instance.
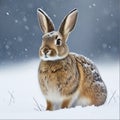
(58, 42)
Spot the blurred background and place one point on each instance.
(96, 34)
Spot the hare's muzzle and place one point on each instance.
(46, 51)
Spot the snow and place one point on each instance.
(54, 15)
(21, 98)
(19, 39)
(97, 19)
(25, 19)
(26, 27)
(7, 46)
(26, 49)
(90, 6)
(104, 45)
(93, 5)
(16, 21)
(7, 13)
(111, 15)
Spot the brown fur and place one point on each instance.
(65, 103)
(49, 105)
(90, 85)
(52, 73)
(66, 79)
(49, 22)
(70, 75)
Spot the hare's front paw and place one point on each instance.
(49, 106)
(65, 103)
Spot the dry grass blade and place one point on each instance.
(39, 108)
(112, 97)
(12, 99)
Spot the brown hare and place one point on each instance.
(66, 79)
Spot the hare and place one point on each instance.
(66, 79)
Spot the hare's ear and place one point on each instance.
(68, 22)
(45, 22)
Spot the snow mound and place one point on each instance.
(21, 98)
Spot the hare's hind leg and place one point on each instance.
(83, 101)
(92, 86)
(99, 92)
(94, 94)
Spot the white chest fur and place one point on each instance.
(54, 96)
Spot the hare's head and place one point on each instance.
(54, 45)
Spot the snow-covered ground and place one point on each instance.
(21, 98)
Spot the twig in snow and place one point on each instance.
(39, 108)
(12, 99)
(112, 96)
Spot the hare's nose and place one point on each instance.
(46, 51)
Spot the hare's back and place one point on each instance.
(91, 83)
(88, 67)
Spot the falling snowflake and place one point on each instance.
(54, 15)
(97, 19)
(109, 47)
(19, 39)
(93, 4)
(90, 6)
(111, 15)
(26, 49)
(33, 34)
(16, 21)
(104, 45)
(26, 27)
(7, 13)
(24, 19)
(7, 47)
